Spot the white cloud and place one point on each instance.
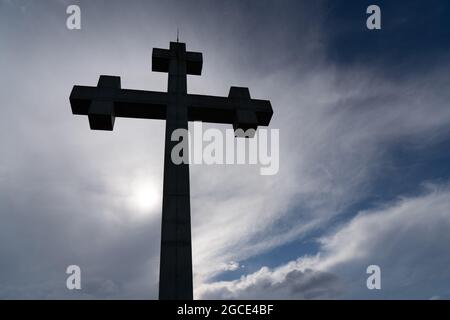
(408, 240)
(231, 266)
(287, 282)
(336, 128)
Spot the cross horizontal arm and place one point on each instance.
(241, 112)
(127, 103)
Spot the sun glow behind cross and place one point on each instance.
(144, 198)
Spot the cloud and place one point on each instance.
(281, 283)
(337, 129)
(408, 239)
(231, 266)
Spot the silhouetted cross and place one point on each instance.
(102, 104)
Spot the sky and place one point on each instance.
(364, 175)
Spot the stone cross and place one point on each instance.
(107, 101)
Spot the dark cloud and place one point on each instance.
(313, 284)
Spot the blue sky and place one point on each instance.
(364, 150)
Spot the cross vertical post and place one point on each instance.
(175, 276)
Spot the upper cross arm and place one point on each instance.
(127, 103)
(223, 109)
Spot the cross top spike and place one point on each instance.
(103, 103)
